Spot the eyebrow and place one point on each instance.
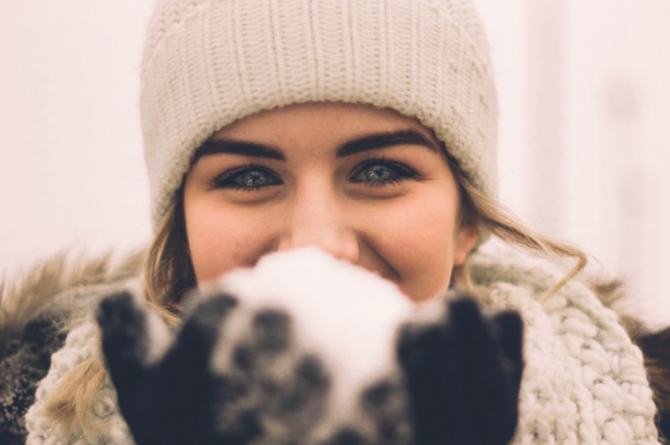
(366, 143)
(383, 140)
(231, 146)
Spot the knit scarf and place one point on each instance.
(584, 381)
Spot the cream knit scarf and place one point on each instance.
(584, 381)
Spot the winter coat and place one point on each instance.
(584, 379)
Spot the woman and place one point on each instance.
(366, 128)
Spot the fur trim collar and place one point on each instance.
(24, 298)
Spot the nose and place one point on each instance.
(317, 217)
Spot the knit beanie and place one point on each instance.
(208, 63)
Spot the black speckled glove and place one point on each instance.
(458, 381)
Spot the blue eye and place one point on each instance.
(247, 178)
(381, 172)
(253, 178)
(373, 172)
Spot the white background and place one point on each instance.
(584, 131)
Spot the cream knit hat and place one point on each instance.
(208, 63)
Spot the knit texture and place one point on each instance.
(106, 424)
(584, 381)
(208, 63)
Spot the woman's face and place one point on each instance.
(367, 185)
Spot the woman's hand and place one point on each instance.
(169, 398)
(460, 384)
(463, 376)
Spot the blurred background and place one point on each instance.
(584, 131)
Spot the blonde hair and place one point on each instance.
(169, 275)
(488, 215)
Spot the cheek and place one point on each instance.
(221, 239)
(416, 237)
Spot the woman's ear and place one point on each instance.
(464, 241)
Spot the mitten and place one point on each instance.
(462, 376)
